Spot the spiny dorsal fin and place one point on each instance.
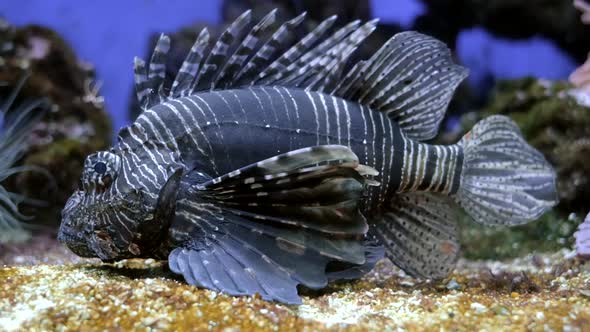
(268, 51)
(330, 66)
(245, 50)
(190, 66)
(411, 78)
(221, 51)
(149, 81)
(290, 56)
(244, 56)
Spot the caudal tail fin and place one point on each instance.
(505, 181)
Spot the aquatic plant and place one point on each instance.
(16, 124)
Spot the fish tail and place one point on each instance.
(504, 180)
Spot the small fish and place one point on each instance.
(264, 165)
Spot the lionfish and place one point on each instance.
(268, 164)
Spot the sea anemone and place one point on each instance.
(16, 124)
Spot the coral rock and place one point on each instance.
(77, 124)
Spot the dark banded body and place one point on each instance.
(220, 131)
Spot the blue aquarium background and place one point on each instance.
(108, 34)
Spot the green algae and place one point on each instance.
(549, 233)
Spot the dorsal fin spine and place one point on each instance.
(184, 79)
(142, 87)
(274, 69)
(218, 55)
(244, 52)
(157, 69)
(411, 78)
(267, 50)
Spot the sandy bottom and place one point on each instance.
(44, 287)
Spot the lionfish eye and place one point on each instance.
(100, 170)
(100, 167)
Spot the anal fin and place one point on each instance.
(374, 252)
(419, 233)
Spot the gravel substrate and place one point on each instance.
(44, 287)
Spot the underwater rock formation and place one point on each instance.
(557, 20)
(77, 124)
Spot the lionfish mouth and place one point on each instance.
(75, 243)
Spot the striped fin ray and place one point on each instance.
(289, 190)
(268, 51)
(288, 60)
(235, 269)
(239, 255)
(149, 81)
(420, 234)
(245, 55)
(505, 181)
(220, 52)
(317, 68)
(244, 260)
(374, 252)
(244, 51)
(330, 66)
(190, 66)
(411, 78)
(289, 161)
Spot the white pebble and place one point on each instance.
(478, 307)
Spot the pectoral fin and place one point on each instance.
(270, 226)
(316, 188)
(166, 204)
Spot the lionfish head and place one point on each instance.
(113, 218)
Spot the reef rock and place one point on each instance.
(557, 20)
(77, 124)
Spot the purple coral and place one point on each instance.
(584, 7)
(583, 238)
